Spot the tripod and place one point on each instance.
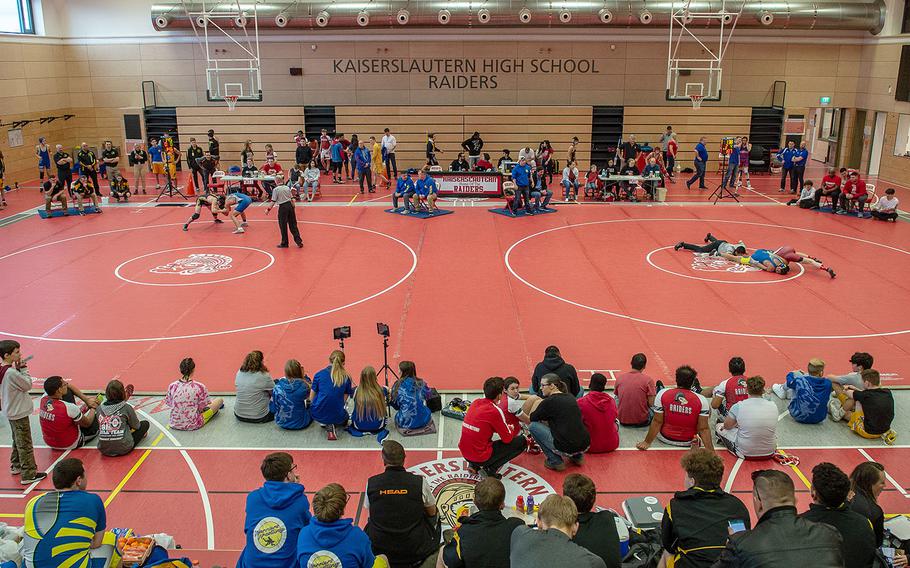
(385, 370)
(721, 192)
(170, 186)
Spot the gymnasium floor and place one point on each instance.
(467, 296)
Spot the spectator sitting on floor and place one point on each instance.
(830, 487)
(598, 413)
(830, 187)
(860, 361)
(635, 392)
(370, 413)
(275, 515)
(780, 538)
(517, 406)
(290, 403)
(873, 409)
(556, 425)
(484, 418)
(596, 530)
(482, 539)
(551, 545)
(732, 390)
(696, 520)
(254, 390)
(854, 192)
(808, 393)
(885, 209)
(409, 398)
(120, 429)
(65, 527)
(806, 197)
(750, 429)
(64, 424)
(554, 363)
(459, 164)
(330, 540)
(483, 164)
(191, 407)
(329, 393)
(680, 414)
(403, 521)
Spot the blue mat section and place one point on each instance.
(520, 213)
(420, 214)
(827, 209)
(71, 211)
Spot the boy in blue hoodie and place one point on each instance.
(275, 515)
(331, 541)
(335, 152)
(808, 393)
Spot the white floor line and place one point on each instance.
(47, 471)
(440, 428)
(765, 196)
(783, 414)
(733, 472)
(887, 475)
(203, 492)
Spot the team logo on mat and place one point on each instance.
(269, 534)
(453, 486)
(708, 263)
(195, 264)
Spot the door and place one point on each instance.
(856, 141)
(878, 140)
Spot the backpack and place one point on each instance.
(645, 549)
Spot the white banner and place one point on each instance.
(468, 183)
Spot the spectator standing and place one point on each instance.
(364, 162)
(254, 390)
(854, 192)
(370, 413)
(808, 393)
(745, 151)
(275, 515)
(64, 424)
(830, 187)
(119, 427)
(800, 160)
(329, 538)
(330, 391)
(885, 209)
(290, 402)
(551, 545)
(432, 150)
(680, 414)
(521, 176)
(303, 154)
(830, 487)
(15, 383)
(376, 155)
(696, 521)
(49, 538)
(65, 168)
(780, 538)
(630, 149)
(732, 165)
(484, 418)
(193, 155)
(635, 392)
(785, 157)
(88, 165)
(554, 363)
(672, 149)
(389, 145)
(409, 397)
(335, 151)
(665, 139)
(596, 530)
(403, 521)
(701, 165)
(138, 158)
(731, 390)
(191, 407)
(214, 146)
(473, 147)
(208, 165)
(598, 413)
(556, 425)
(750, 428)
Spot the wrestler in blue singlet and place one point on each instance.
(243, 201)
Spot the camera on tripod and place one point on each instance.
(382, 329)
(341, 333)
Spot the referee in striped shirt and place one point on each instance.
(287, 217)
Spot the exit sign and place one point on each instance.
(825, 101)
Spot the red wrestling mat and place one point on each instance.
(129, 294)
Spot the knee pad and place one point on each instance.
(195, 216)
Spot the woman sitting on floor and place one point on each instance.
(370, 412)
(330, 391)
(254, 390)
(409, 398)
(191, 407)
(120, 429)
(291, 398)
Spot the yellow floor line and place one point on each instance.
(12, 516)
(353, 199)
(132, 471)
(798, 472)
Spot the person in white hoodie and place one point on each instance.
(17, 403)
(806, 197)
(310, 181)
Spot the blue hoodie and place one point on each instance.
(411, 403)
(289, 404)
(275, 514)
(521, 175)
(328, 404)
(810, 401)
(338, 544)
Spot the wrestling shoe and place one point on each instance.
(830, 272)
(708, 237)
(244, 224)
(780, 390)
(889, 437)
(677, 246)
(330, 433)
(238, 231)
(217, 221)
(186, 227)
(835, 409)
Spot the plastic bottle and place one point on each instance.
(520, 504)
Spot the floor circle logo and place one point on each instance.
(709, 263)
(453, 486)
(203, 263)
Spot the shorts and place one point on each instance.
(858, 425)
(788, 254)
(158, 168)
(336, 167)
(241, 207)
(44, 163)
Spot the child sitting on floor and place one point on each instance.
(874, 411)
(120, 189)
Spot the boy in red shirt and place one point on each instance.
(855, 191)
(732, 390)
(598, 412)
(680, 415)
(483, 419)
(65, 425)
(635, 392)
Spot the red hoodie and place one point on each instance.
(481, 421)
(598, 412)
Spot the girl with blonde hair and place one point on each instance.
(332, 386)
(370, 411)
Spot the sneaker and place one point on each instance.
(130, 389)
(472, 470)
(708, 237)
(217, 221)
(244, 224)
(830, 272)
(578, 460)
(186, 227)
(696, 386)
(238, 231)
(330, 433)
(840, 212)
(15, 471)
(889, 437)
(677, 246)
(780, 390)
(835, 409)
(38, 477)
(561, 466)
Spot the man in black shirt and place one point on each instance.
(830, 487)
(208, 166)
(473, 146)
(110, 157)
(138, 159)
(630, 149)
(303, 154)
(64, 167)
(53, 191)
(596, 530)
(193, 154)
(214, 147)
(556, 425)
(482, 540)
(874, 411)
(88, 165)
(459, 164)
(554, 363)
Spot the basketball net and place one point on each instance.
(696, 101)
(231, 101)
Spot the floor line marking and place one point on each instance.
(887, 475)
(783, 414)
(132, 471)
(733, 472)
(203, 492)
(440, 429)
(47, 471)
(353, 199)
(797, 471)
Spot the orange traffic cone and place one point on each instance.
(190, 187)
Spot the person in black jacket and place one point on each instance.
(473, 146)
(867, 481)
(830, 487)
(303, 154)
(596, 530)
(459, 164)
(554, 363)
(780, 539)
(482, 540)
(695, 523)
(556, 425)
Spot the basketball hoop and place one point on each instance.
(696, 101)
(231, 101)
